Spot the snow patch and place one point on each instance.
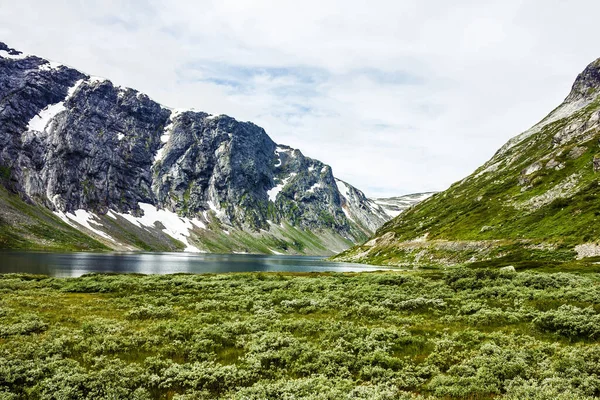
(198, 223)
(159, 155)
(49, 66)
(279, 150)
(175, 226)
(220, 213)
(345, 192)
(347, 213)
(314, 187)
(97, 79)
(83, 218)
(392, 213)
(40, 122)
(111, 214)
(343, 188)
(272, 193)
(120, 136)
(164, 138)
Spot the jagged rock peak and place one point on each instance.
(587, 84)
(12, 52)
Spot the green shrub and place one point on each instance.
(150, 312)
(570, 321)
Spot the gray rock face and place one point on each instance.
(586, 84)
(74, 142)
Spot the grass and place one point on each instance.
(464, 333)
(25, 226)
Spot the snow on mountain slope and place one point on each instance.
(393, 206)
(133, 174)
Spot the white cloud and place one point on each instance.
(398, 96)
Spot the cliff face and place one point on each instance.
(535, 200)
(133, 174)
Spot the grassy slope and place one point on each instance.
(493, 208)
(24, 226)
(461, 333)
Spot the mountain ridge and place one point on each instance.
(133, 174)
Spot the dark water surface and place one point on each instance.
(76, 264)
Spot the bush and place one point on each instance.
(25, 325)
(570, 321)
(150, 312)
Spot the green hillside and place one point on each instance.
(535, 200)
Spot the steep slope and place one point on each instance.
(535, 200)
(131, 174)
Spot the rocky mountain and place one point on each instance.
(535, 201)
(85, 164)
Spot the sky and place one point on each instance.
(398, 96)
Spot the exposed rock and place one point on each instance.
(564, 189)
(552, 164)
(587, 83)
(587, 250)
(509, 268)
(596, 163)
(576, 152)
(524, 181)
(532, 168)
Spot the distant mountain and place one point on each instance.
(85, 164)
(393, 206)
(536, 200)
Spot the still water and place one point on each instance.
(76, 264)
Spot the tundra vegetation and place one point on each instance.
(460, 333)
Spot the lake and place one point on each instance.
(77, 264)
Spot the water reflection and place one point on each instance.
(76, 264)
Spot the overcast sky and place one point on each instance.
(397, 96)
